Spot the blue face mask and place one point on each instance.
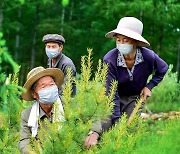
(124, 48)
(48, 95)
(52, 53)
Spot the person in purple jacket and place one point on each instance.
(130, 64)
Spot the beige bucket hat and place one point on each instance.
(37, 73)
(130, 27)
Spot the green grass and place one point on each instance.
(163, 137)
(164, 107)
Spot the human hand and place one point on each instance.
(145, 93)
(91, 140)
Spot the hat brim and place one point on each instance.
(129, 33)
(54, 41)
(55, 73)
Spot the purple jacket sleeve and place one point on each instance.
(110, 77)
(160, 68)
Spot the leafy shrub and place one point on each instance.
(166, 96)
(89, 104)
(10, 103)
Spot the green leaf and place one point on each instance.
(2, 42)
(22, 1)
(65, 3)
(1, 35)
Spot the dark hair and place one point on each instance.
(115, 35)
(58, 42)
(33, 87)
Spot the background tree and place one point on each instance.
(84, 23)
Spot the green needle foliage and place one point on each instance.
(81, 111)
(10, 103)
(122, 138)
(89, 104)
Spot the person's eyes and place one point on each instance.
(126, 40)
(43, 87)
(54, 47)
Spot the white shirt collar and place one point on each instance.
(121, 61)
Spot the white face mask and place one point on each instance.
(48, 95)
(52, 53)
(125, 48)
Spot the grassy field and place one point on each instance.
(157, 137)
(163, 137)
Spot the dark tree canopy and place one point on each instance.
(84, 24)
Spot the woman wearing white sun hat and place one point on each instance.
(130, 64)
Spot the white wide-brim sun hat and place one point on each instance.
(130, 27)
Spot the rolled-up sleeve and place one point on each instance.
(160, 69)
